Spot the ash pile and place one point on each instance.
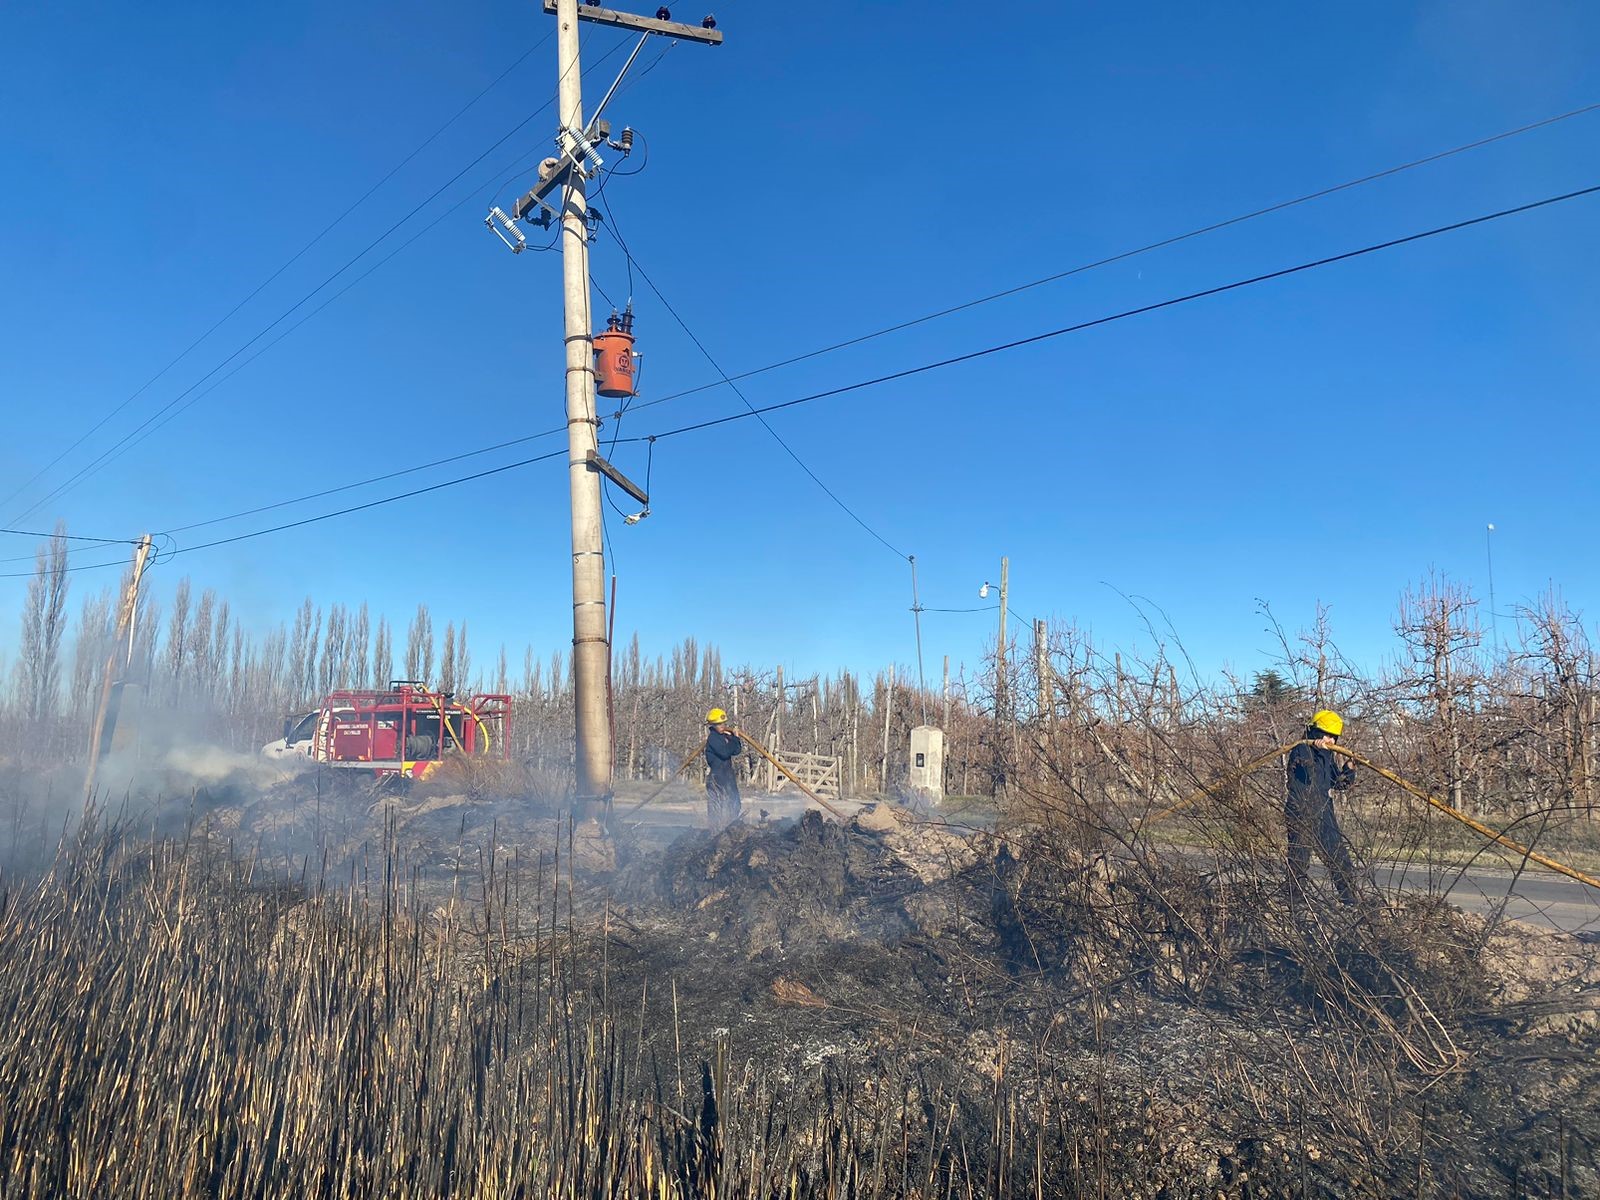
(1176, 1022)
(1216, 1036)
(778, 890)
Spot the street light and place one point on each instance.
(1488, 550)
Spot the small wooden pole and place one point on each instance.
(126, 618)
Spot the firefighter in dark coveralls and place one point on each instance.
(722, 788)
(1315, 773)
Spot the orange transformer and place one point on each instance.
(613, 358)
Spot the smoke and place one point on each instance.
(136, 785)
(210, 765)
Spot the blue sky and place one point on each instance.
(832, 169)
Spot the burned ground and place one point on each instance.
(943, 1011)
(1184, 1028)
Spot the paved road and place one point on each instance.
(1538, 896)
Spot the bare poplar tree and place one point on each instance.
(355, 654)
(419, 645)
(308, 666)
(43, 619)
(198, 655)
(295, 682)
(382, 655)
(271, 684)
(178, 636)
(89, 649)
(223, 666)
(332, 662)
(447, 660)
(463, 664)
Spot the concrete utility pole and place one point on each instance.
(590, 650)
(1041, 669)
(578, 144)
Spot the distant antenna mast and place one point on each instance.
(1488, 551)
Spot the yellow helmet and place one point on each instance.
(716, 717)
(1329, 722)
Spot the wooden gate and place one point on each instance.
(819, 772)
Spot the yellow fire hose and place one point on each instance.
(682, 767)
(1406, 785)
(788, 774)
(759, 749)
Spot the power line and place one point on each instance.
(294, 258)
(346, 487)
(400, 249)
(68, 537)
(1435, 157)
(1127, 254)
(355, 508)
(917, 370)
(753, 411)
(123, 442)
(1131, 312)
(423, 466)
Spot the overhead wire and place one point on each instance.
(355, 508)
(67, 537)
(436, 462)
(1371, 177)
(95, 543)
(941, 363)
(1124, 255)
(1141, 310)
(620, 88)
(294, 258)
(753, 411)
(1084, 267)
(378, 265)
(346, 487)
(123, 443)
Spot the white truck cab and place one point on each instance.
(299, 737)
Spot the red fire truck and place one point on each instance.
(406, 731)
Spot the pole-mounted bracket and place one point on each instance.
(552, 174)
(596, 463)
(668, 28)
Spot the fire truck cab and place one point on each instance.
(406, 731)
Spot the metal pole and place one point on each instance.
(621, 75)
(944, 693)
(1000, 685)
(1488, 550)
(590, 650)
(1001, 671)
